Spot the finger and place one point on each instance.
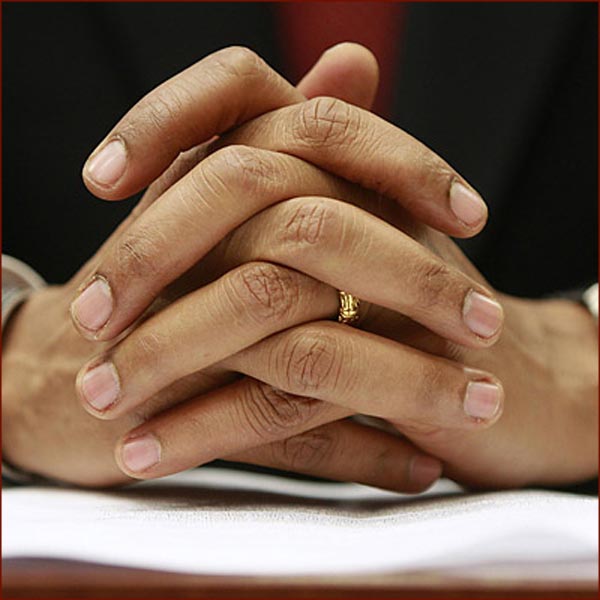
(347, 71)
(181, 166)
(217, 93)
(350, 249)
(192, 217)
(224, 89)
(237, 182)
(332, 452)
(363, 148)
(199, 330)
(367, 374)
(200, 430)
(258, 299)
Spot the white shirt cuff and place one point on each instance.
(18, 281)
(590, 299)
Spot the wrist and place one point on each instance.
(23, 370)
(45, 430)
(35, 358)
(561, 337)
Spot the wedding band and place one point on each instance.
(348, 311)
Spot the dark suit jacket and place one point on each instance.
(507, 93)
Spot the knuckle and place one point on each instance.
(161, 109)
(210, 178)
(239, 168)
(143, 353)
(432, 280)
(431, 385)
(312, 223)
(306, 451)
(135, 252)
(264, 291)
(239, 62)
(436, 394)
(433, 172)
(325, 121)
(151, 345)
(250, 167)
(311, 361)
(272, 413)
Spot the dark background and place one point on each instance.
(507, 93)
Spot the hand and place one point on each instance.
(468, 459)
(546, 360)
(335, 135)
(300, 449)
(544, 433)
(171, 337)
(46, 432)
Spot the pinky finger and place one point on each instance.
(346, 451)
(250, 421)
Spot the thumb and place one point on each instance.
(347, 71)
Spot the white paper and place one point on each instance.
(217, 521)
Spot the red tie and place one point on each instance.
(306, 29)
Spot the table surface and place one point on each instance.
(40, 578)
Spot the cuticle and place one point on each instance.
(94, 363)
(95, 334)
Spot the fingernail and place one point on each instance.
(482, 315)
(93, 307)
(107, 166)
(100, 386)
(141, 453)
(482, 400)
(467, 205)
(424, 470)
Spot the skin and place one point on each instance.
(41, 333)
(258, 284)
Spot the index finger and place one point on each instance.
(358, 146)
(217, 93)
(230, 88)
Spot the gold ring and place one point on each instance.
(348, 311)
